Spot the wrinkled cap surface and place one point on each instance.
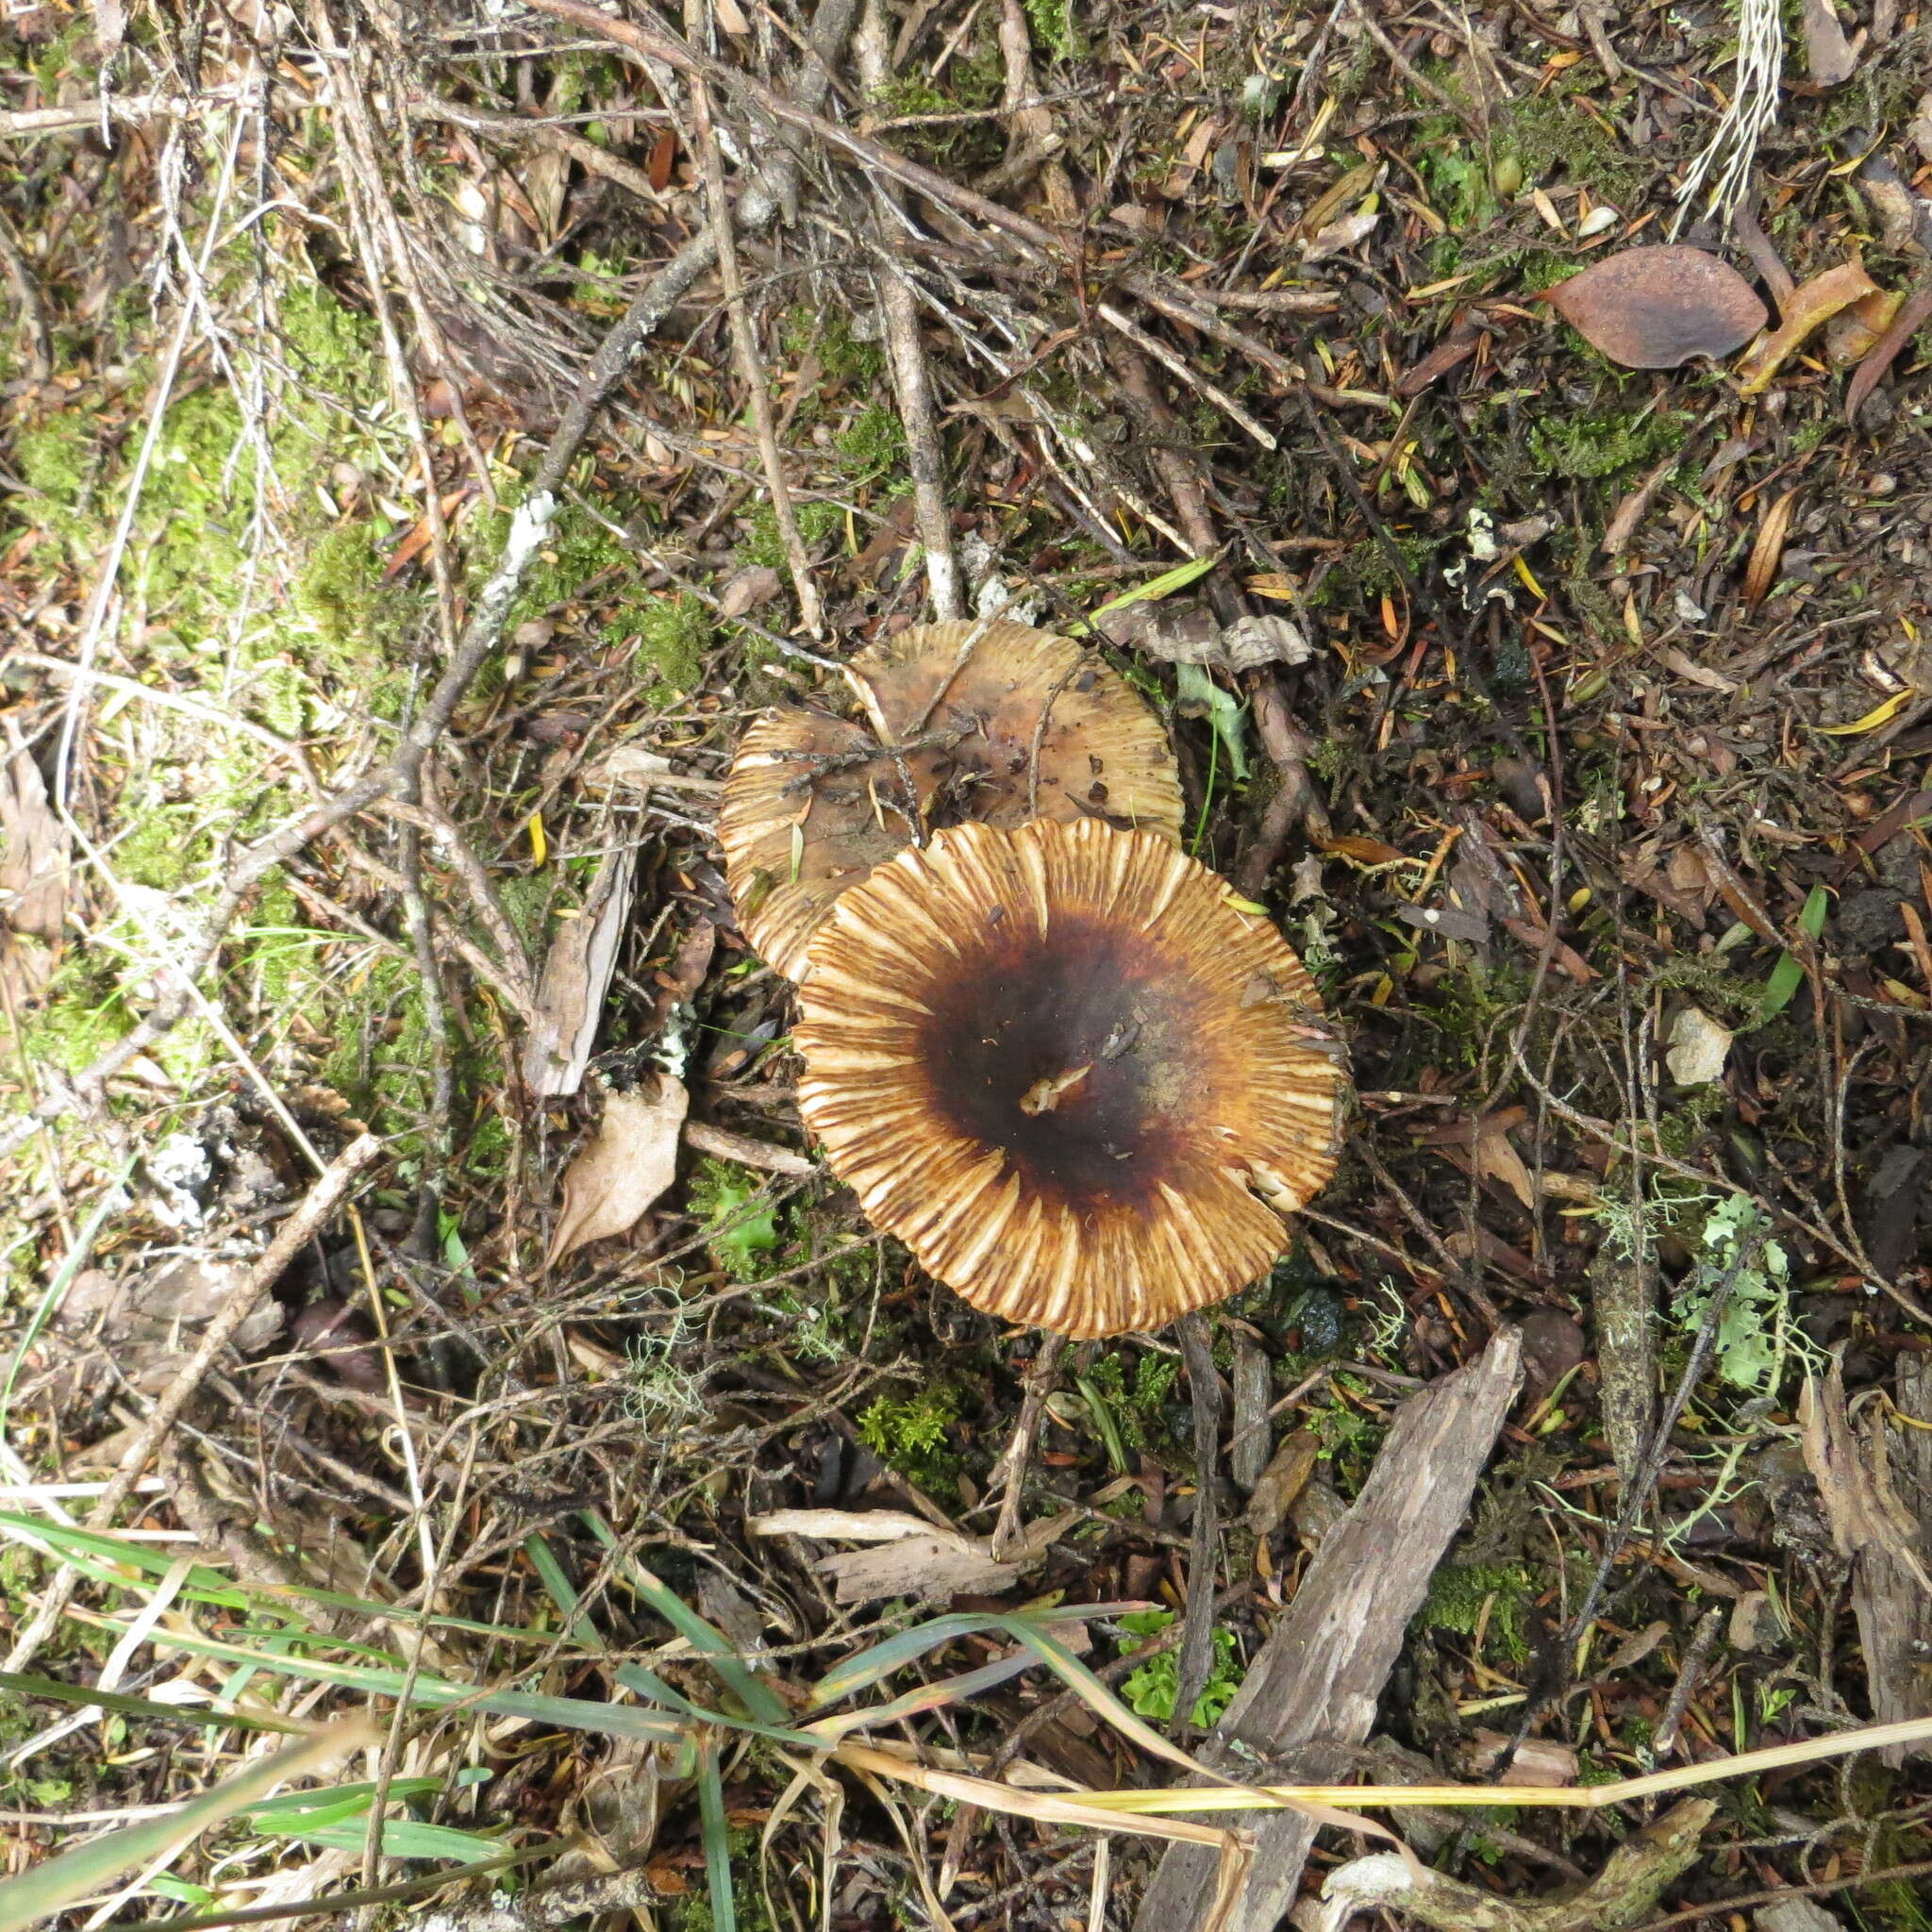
(1065, 1071)
(999, 724)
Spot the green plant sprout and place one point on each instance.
(1754, 1329)
(1151, 1690)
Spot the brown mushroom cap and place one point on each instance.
(813, 802)
(1060, 1065)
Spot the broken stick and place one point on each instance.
(1309, 1696)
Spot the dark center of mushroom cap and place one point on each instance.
(1070, 1053)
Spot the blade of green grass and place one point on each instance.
(558, 1585)
(1165, 584)
(717, 1836)
(709, 1641)
(1788, 976)
(123, 1706)
(871, 1666)
(434, 1694)
(93, 1553)
(402, 1837)
(51, 1886)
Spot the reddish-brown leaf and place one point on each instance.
(1657, 308)
(1911, 318)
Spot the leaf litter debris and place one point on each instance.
(387, 581)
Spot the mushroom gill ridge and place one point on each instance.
(1058, 1064)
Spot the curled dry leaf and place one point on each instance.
(576, 975)
(1190, 634)
(1761, 573)
(1913, 313)
(1811, 306)
(33, 879)
(757, 584)
(914, 1560)
(1699, 1047)
(623, 1171)
(1657, 308)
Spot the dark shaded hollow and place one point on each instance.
(1019, 1009)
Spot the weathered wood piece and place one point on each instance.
(1309, 1697)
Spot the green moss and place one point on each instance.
(914, 1434)
(82, 1014)
(1135, 1388)
(818, 524)
(827, 333)
(380, 1062)
(874, 444)
(339, 590)
(57, 457)
(1459, 1592)
(1552, 133)
(1055, 33)
(673, 635)
(161, 847)
(1592, 445)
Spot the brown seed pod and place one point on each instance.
(1021, 725)
(1064, 1069)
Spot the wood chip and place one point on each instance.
(1309, 1696)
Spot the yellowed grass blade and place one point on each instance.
(1566, 1797)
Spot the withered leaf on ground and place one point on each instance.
(1659, 307)
(747, 589)
(1189, 634)
(1811, 306)
(1853, 1481)
(911, 1558)
(1911, 316)
(623, 1171)
(1699, 1047)
(1828, 58)
(577, 977)
(33, 881)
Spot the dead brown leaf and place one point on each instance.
(1852, 1481)
(747, 589)
(576, 975)
(1828, 58)
(1283, 1480)
(623, 1171)
(33, 881)
(1913, 313)
(1659, 307)
(1811, 306)
(909, 1559)
(1190, 634)
(1761, 572)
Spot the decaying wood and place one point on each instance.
(1622, 1894)
(1888, 1572)
(1309, 1697)
(1625, 1306)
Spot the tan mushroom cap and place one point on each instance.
(1062, 1067)
(813, 802)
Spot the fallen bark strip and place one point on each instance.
(1311, 1692)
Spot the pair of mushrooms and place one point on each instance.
(1049, 1051)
